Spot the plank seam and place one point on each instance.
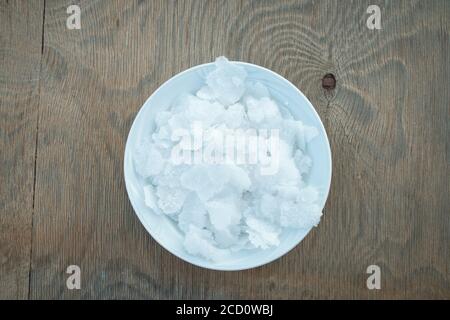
(35, 154)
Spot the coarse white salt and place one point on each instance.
(228, 165)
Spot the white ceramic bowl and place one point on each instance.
(161, 228)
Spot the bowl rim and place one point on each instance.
(192, 69)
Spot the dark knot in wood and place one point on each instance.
(329, 81)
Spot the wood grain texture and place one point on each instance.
(388, 121)
(20, 53)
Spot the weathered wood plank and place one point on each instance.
(388, 123)
(20, 54)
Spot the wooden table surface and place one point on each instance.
(69, 97)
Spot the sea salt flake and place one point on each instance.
(225, 238)
(239, 178)
(262, 234)
(193, 212)
(269, 207)
(223, 213)
(170, 200)
(196, 179)
(304, 212)
(227, 81)
(161, 137)
(200, 242)
(255, 113)
(170, 175)
(203, 111)
(205, 93)
(256, 90)
(234, 116)
(148, 160)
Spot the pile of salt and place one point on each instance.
(221, 204)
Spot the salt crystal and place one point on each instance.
(255, 113)
(197, 179)
(193, 212)
(170, 175)
(200, 242)
(148, 160)
(234, 116)
(269, 207)
(225, 238)
(227, 81)
(170, 200)
(203, 111)
(262, 234)
(205, 93)
(303, 212)
(223, 213)
(257, 90)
